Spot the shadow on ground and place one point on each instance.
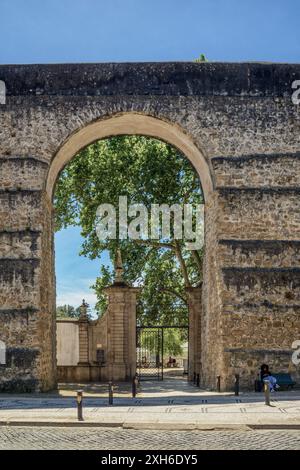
(172, 391)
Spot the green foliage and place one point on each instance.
(201, 58)
(67, 311)
(147, 171)
(174, 340)
(163, 297)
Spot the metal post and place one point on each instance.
(267, 392)
(218, 383)
(198, 380)
(110, 393)
(194, 379)
(79, 405)
(134, 386)
(237, 385)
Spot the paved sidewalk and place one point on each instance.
(160, 405)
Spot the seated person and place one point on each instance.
(265, 374)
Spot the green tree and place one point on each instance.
(174, 340)
(67, 311)
(147, 171)
(201, 58)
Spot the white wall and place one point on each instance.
(67, 343)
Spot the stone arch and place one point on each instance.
(131, 124)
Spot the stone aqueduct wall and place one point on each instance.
(242, 120)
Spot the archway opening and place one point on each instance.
(81, 188)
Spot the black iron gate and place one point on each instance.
(150, 351)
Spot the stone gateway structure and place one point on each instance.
(102, 349)
(237, 125)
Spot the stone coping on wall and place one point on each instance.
(156, 78)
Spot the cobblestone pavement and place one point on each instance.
(13, 438)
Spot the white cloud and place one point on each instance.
(75, 298)
(74, 293)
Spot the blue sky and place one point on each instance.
(42, 31)
(148, 30)
(74, 274)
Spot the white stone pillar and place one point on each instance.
(83, 330)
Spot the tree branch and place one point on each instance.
(174, 292)
(198, 261)
(155, 244)
(182, 264)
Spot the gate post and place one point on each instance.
(83, 325)
(121, 326)
(83, 331)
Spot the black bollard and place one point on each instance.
(135, 381)
(198, 380)
(194, 380)
(267, 392)
(110, 393)
(79, 405)
(237, 385)
(218, 383)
